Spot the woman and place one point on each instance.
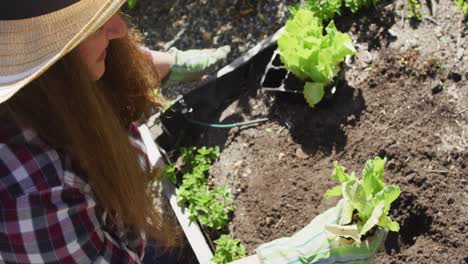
(73, 188)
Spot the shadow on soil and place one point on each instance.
(414, 221)
(370, 25)
(320, 128)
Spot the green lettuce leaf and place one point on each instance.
(347, 213)
(335, 191)
(373, 219)
(348, 231)
(355, 194)
(313, 93)
(373, 174)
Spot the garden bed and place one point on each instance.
(404, 97)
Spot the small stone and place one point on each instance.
(281, 156)
(300, 154)
(438, 31)
(207, 36)
(460, 53)
(436, 87)
(455, 76)
(413, 43)
(268, 221)
(238, 164)
(392, 33)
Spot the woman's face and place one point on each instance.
(93, 49)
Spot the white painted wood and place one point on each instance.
(192, 230)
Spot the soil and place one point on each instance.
(404, 97)
(404, 104)
(188, 24)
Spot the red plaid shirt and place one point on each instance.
(47, 211)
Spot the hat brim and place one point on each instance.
(28, 66)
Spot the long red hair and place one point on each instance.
(90, 121)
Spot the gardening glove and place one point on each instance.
(191, 65)
(313, 244)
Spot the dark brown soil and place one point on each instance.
(405, 105)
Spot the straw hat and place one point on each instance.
(34, 34)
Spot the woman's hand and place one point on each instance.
(176, 66)
(312, 244)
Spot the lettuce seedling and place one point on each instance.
(365, 202)
(312, 56)
(463, 6)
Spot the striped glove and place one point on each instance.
(313, 245)
(191, 65)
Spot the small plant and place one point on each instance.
(209, 206)
(323, 9)
(356, 5)
(326, 9)
(131, 3)
(463, 6)
(228, 250)
(366, 201)
(414, 10)
(312, 56)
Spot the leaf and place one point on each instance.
(339, 173)
(325, 10)
(350, 231)
(170, 173)
(373, 174)
(346, 213)
(388, 195)
(356, 5)
(387, 223)
(373, 219)
(131, 3)
(335, 191)
(354, 193)
(313, 93)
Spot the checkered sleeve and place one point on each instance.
(59, 225)
(47, 214)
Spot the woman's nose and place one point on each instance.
(115, 27)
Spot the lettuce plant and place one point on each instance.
(312, 56)
(463, 6)
(365, 202)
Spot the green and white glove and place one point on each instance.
(313, 244)
(191, 65)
